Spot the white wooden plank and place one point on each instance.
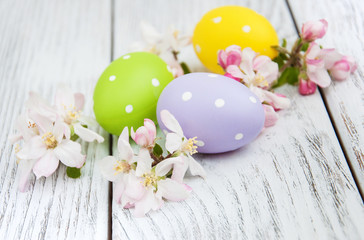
(345, 100)
(43, 43)
(291, 182)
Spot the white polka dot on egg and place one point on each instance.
(212, 75)
(200, 143)
(239, 136)
(246, 28)
(219, 102)
(216, 19)
(112, 78)
(253, 99)
(186, 96)
(155, 82)
(126, 57)
(198, 48)
(129, 108)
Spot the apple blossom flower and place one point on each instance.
(145, 135)
(181, 146)
(271, 117)
(230, 56)
(259, 71)
(165, 46)
(150, 184)
(313, 30)
(120, 169)
(342, 69)
(306, 87)
(48, 148)
(26, 129)
(69, 107)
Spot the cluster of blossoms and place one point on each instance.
(144, 180)
(309, 64)
(259, 73)
(48, 134)
(166, 46)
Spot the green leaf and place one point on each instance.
(284, 43)
(185, 68)
(279, 61)
(157, 150)
(305, 47)
(74, 137)
(73, 172)
(290, 76)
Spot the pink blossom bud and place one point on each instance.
(306, 87)
(145, 135)
(231, 56)
(341, 69)
(313, 30)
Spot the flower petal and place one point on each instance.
(46, 165)
(118, 190)
(107, 168)
(25, 168)
(173, 142)
(86, 134)
(125, 150)
(144, 162)
(271, 116)
(79, 101)
(124, 135)
(166, 165)
(195, 168)
(180, 169)
(172, 190)
(235, 71)
(134, 190)
(320, 76)
(33, 149)
(149, 201)
(64, 97)
(152, 130)
(69, 153)
(171, 122)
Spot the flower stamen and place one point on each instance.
(49, 140)
(122, 167)
(190, 146)
(150, 179)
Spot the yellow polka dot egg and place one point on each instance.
(232, 25)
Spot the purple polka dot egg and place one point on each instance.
(222, 113)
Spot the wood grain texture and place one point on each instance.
(292, 182)
(43, 43)
(344, 100)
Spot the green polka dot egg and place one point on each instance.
(128, 90)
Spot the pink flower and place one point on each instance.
(231, 56)
(271, 117)
(341, 69)
(313, 30)
(145, 135)
(277, 101)
(306, 87)
(186, 147)
(258, 71)
(318, 61)
(231, 76)
(48, 148)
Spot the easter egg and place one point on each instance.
(232, 25)
(222, 113)
(128, 91)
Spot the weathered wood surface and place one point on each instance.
(344, 100)
(292, 182)
(43, 43)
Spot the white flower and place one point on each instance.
(69, 107)
(48, 148)
(119, 170)
(149, 186)
(166, 46)
(176, 142)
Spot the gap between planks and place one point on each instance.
(355, 177)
